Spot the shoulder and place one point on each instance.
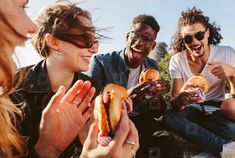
(177, 57)
(31, 77)
(152, 63)
(22, 74)
(107, 56)
(220, 49)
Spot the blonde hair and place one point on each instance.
(12, 143)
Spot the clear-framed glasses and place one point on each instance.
(145, 39)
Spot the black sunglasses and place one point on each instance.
(199, 36)
(87, 45)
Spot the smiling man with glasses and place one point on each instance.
(124, 68)
(197, 52)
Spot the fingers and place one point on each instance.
(132, 137)
(91, 141)
(86, 99)
(128, 104)
(89, 111)
(55, 100)
(122, 130)
(73, 91)
(142, 88)
(186, 86)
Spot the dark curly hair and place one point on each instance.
(148, 20)
(192, 16)
(63, 22)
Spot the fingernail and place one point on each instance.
(60, 88)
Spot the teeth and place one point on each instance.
(135, 49)
(86, 58)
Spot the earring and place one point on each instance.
(55, 53)
(1, 90)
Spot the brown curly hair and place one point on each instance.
(192, 16)
(63, 22)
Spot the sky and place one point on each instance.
(117, 15)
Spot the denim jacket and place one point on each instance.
(32, 95)
(111, 68)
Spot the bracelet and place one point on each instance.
(229, 95)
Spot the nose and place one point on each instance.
(139, 41)
(94, 48)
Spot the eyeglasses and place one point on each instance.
(144, 39)
(199, 36)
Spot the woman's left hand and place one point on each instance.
(63, 118)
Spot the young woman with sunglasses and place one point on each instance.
(66, 38)
(197, 52)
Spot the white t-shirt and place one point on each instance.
(133, 76)
(179, 68)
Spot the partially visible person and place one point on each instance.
(66, 39)
(124, 68)
(60, 119)
(197, 52)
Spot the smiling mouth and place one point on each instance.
(136, 53)
(86, 58)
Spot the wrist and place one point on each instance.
(44, 150)
(177, 104)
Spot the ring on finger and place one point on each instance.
(75, 102)
(129, 142)
(133, 152)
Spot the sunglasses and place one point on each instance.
(199, 36)
(87, 45)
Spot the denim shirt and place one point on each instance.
(32, 95)
(111, 68)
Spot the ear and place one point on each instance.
(127, 35)
(154, 44)
(52, 42)
(208, 33)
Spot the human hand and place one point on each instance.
(188, 95)
(221, 70)
(157, 88)
(124, 144)
(139, 90)
(63, 118)
(129, 104)
(154, 88)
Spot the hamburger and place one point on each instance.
(108, 109)
(201, 84)
(149, 74)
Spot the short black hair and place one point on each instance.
(148, 20)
